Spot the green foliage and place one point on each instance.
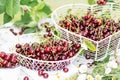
(104, 61)
(110, 0)
(30, 15)
(40, 11)
(99, 69)
(46, 9)
(26, 18)
(12, 7)
(2, 6)
(31, 3)
(107, 78)
(115, 73)
(30, 30)
(40, 6)
(7, 18)
(90, 45)
(91, 2)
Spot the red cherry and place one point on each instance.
(8, 65)
(48, 49)
(49, 34)
(104, 3)
(45, 35)
(65, 70)
(13, 55)
(5, 62)
(21, 32)
(45, 75)
(2, 54)
(31, 51)
(71, 54)
(13, 60)
(26, 78)
(73, 28)
(87, 56)
(37, 49)
(67, 24)
(42, 51)
(88, 16)
(38, 54)
(65, 43)
(78, 46)
(43, 56)
(48, 29)
(59, 48)
(7, 57)
(40, 72)
(18, 45)
(18, 50)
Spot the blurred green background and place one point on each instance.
(53, 5)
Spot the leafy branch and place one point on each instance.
(31, 11)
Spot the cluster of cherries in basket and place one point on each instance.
(89, 26)
(8, 60)
(53, 50)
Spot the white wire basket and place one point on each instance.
(104, 46)
(37, 65)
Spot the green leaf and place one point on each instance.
(7, 18)
(99, 69)
(26, 18)
(83, 52)
(110, 0)
(46, 9)
(57, 33)
(115, 71)
(12, 7)
(2, 6)
(42, 15)
(31, 3)
(36, 18)
(104, 61)
(19, 24)
(24, 2)
(30, 30)
(107, 78)
(40, 6)
(90, 45)
(22, 11)
(91, 2)
(107, 59)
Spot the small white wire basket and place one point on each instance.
(104, 46)
(37, 65)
